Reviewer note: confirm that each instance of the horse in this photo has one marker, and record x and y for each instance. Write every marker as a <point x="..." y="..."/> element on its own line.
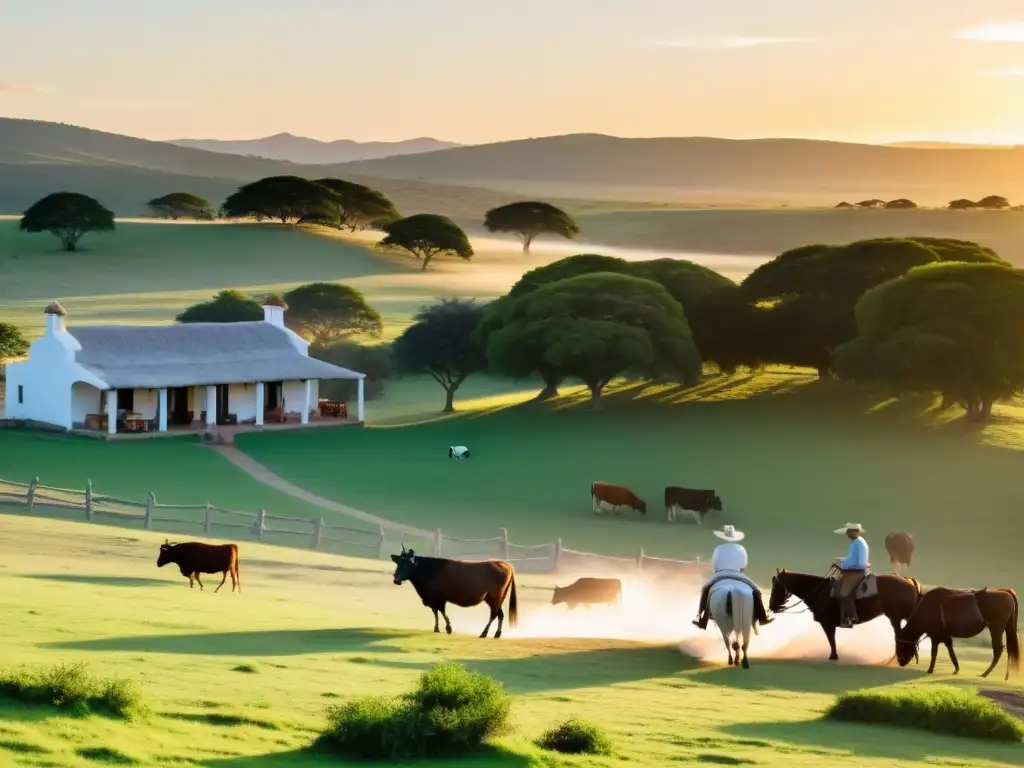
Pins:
<point x="896" y="599"/>
<point x="900" y="547"/>
<point x="945" y="613"/>
<point x="732" y="608"/>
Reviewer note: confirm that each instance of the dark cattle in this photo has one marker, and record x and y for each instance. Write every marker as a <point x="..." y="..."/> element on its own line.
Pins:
<point x="439" y="581"/>
<point x="194" y="558"/>
<point x="900" y="547"/>
<point x="615" y="496"/>
<point x="589" y="591"/>
<point x="698" y="502"/>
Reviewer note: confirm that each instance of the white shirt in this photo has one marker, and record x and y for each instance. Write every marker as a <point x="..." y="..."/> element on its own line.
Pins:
<point x="729" y="557"/>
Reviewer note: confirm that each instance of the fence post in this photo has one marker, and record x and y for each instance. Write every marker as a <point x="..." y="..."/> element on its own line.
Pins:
<point x="504" y="543"/>
<point x="381" y="551"/>
<point x="558" y="553"/>
<point x="640" y="559"/>
<point x="261" y="524"/>
<point x="150" y="504"/>
<point x="31" y="495"/>
<point x="318" y="532"/>
<point x="437" y="543"/>
<point x="207" y="519"/>
<point x="88" y="499"/>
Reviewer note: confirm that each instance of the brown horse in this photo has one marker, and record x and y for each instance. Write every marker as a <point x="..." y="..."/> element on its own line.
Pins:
<point x="945" y="613"/>
<point x="439" y="581"/>
<point x="896" y="599"/>
<point x="900" y="547"/>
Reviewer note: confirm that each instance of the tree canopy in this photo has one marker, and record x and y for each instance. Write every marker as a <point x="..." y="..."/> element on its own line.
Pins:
<point x="284" y="198"/>
<point x="12" y="342"/>
<point x="595" y="327"/>
<point x="68" y="216"/>
<point x="374" y="361"/>
<point x="425" y="236"/>
<point x="993" y="202"/>
<point x="441" y="342"/>
<point x="182" y="205"/>
<point x="356" y="206"/>
<point x="325" y="313"/>
<point x="529" y="219"/>
<point x="952" y="328"/>
<point x="900" y="204"/>
<point x="228" y="306"/>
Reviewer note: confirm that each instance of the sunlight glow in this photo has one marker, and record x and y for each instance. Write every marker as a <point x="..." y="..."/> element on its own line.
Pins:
<point x="996" y="32"/>
<point x="728" y="42"/>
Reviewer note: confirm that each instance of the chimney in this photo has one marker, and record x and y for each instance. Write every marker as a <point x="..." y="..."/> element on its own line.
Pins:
<point x="54" y="318"/>
<point x="273" y="310"/>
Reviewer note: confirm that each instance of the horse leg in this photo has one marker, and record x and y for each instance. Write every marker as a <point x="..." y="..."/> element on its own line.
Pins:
<point x="501" y="621"/>
<point x="830" y="633"/>
<point x="736" y="652"/>
<point x="952" y="655"/>
<point x="935" y="655"/>
<point x="494" y="615"/>
<point x="997" y="648"/>
<point x="225" y="578"/>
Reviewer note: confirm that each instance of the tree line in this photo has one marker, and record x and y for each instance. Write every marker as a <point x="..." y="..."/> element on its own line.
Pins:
<point x="990" y="203"/>
<point x="327" y="202"/>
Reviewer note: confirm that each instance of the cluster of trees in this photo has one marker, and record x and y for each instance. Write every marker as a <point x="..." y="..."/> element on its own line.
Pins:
<point x="990" y="203"/>
<point x="899" y="204"/>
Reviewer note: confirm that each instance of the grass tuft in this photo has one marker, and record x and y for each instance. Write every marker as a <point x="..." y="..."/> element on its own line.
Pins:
<point x="248" y="668"/>
<point x="452" y="711"/>
<point x="576" y="737"/>
<point x="71" y="687"/>
<point x="943" y="709"/>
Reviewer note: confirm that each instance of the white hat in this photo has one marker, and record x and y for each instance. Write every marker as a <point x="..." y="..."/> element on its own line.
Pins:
<point x="729" y="533"/>
<point x="851" y="527"/>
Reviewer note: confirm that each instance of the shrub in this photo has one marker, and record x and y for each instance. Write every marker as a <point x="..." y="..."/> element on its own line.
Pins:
<point x="452" y="711"/>
<point x="576" y="737"/>
<point x="943" y="709"/>
<point x="70" y="686"/>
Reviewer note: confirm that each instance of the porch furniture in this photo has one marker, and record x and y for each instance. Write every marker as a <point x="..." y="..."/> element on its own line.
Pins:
<point x="96" y="421"/>
<point x="134" y="422"/>
<point x="333" y="409"/>
<point x="230" y="420"/>
<point x="274" y="415"/>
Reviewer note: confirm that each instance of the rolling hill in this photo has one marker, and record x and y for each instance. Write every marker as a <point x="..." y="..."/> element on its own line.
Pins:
<point x="303" y="150"/>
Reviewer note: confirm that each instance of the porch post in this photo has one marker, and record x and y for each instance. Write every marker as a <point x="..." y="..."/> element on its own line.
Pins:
<point x="307" y="394"/>
<point x="260" y="387"/>
<point x="211" y="405"/>
<point x="112" y="412"/>
<point x="162" y="411"/>
<point x="360" y="399"/>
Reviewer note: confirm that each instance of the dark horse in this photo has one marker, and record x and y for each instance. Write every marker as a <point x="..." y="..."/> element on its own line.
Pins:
<point x="896" y="599"/>
<point x="945" y="613"/>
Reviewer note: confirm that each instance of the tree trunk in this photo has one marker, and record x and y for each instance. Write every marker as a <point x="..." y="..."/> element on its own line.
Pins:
<point x="551" y="382"/>
<point x="527" y="239"/>
<point x="449" y="401"/>
<point x="70" y="245"/>
<point x="595" y="396"/>
<point x="824" y="372"/>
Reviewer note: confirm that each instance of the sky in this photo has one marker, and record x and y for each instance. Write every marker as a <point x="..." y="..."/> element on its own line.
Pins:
<point x="477" y="71"/>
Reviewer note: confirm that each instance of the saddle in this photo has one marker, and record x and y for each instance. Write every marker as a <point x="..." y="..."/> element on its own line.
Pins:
<point x="868" y="586"/>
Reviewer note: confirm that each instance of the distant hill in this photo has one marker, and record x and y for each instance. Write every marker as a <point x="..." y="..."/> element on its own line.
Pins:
<point x="299" y="149"/>
<point x="943" y="145"/>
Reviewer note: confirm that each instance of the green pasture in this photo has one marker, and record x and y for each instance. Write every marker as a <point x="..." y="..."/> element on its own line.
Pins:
<point x="242" y="680"/>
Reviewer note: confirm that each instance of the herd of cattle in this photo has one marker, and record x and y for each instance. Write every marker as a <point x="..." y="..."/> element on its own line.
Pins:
<point x="677" y="500"/>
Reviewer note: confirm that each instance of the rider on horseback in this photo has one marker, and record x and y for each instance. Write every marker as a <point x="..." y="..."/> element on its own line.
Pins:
<point x="728" y="561"/>
<point x="852" y="571"/>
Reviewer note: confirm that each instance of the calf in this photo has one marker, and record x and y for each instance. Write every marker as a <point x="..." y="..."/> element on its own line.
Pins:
<point x="900" y="547"/>
<point x="194" y="558"/>
<point x="699" y="503"/>
<point x="458" y="452"/>
<point x="588" y="591"/>
<point x="615" y="496"/>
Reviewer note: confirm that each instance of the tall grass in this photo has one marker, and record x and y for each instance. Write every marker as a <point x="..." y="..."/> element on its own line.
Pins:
<point x="71" y="687"/>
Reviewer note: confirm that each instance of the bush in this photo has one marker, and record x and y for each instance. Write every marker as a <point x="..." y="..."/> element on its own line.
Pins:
<point x="451" y="712"/>
<point x="70" y="686"/>
<point x="943" y="709"/>
<point x="576" y="737"/>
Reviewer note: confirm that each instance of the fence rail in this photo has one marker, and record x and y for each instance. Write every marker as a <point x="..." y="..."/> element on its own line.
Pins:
<point x="212" y="521"/>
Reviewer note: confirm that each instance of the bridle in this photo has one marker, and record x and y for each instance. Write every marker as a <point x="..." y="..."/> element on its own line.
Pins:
<point x="787" y="606"/>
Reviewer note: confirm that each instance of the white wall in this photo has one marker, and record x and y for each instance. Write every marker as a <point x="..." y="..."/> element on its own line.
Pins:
<point x="295" y="395"/>
<point x="242" y="401"/>
<point x="46" y="378"/>
<point x="145" y="402"/>
<point x="85" y="399"/>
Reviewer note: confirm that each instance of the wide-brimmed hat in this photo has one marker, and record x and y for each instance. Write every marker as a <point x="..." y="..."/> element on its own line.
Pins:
<point x="729" y="533"/>
<point x="851" y="527"/>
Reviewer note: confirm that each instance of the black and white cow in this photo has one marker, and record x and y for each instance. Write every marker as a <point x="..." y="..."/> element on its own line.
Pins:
<point x="458" y="452"/>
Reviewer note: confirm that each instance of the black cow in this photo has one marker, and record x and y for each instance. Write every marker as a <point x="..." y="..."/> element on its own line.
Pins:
<point x="589" y="591"/>
<point x="194" y="558"/>
<point x="699" y="503"/>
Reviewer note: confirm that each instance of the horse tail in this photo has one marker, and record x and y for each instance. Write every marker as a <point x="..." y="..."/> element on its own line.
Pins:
<point x="728" y="605"/>
<point x="1012" y="638"/>
<point x="513" y="603"/>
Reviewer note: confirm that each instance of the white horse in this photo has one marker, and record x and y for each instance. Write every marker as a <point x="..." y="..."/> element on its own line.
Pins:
<point x="732" y="608"/>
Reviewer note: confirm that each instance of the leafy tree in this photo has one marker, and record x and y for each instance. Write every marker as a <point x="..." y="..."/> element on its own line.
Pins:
<point x="951" y="249"/>
<point x="872" y="203"/>
<point x="278" y="197"/>
<point x="441" y="342"/>
<point x="571" y="266"/>
<point x="900" y="204"/>
<point x="182" y="205"/>
<point x="962" y="204"/>
<point x="993" y="202"/>
<point x="68" y="215"/>
<point x="12" y="342"/>
<point x="357" y="207"/>
<point x="596" y="327"/>
<point x="425" y="236"/>
<point x="325" y="313"/>
<point x="952" y="328"/>
<point x="844" y="204"/>
<point x="374" y="361"/>
<point x="529" y="219"/>
<point x="228" y="306"/>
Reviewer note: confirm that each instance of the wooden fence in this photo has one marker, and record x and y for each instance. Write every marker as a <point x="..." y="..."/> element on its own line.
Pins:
<point x="215" y="522"/>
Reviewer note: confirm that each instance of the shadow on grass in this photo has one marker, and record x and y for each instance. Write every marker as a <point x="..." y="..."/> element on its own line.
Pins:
<point x="101" y="581"/>
<point x="268" y="643"/>
<point x="222" y="720"/>
<point x="890" y="743"/>
<point x="317" y="756"/>
<point x="803" y="677"/>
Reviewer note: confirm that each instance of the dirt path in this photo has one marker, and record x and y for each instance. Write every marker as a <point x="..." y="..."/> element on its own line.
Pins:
<point x="259" y="472"/>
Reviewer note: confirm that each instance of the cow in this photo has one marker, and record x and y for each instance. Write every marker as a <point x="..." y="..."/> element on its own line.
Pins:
<point x="588" y="591"/>
<point x="699" y="503"/>
<point x="900" y="547"/>
<point x="615" y="496"/>
<point x="439" y="581"/>
<point x="458" y="452"/>
<point x="194" y="558"/>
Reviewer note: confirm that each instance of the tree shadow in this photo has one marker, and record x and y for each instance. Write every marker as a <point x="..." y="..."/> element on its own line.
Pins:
<point x="102" y="581"/>
<point x="803" y="677"/>
<point x="318" y="756"/>
<point x="293" y="642"/>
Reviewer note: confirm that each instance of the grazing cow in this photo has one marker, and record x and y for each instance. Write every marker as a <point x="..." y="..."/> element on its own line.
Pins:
<point x="615" y="496"/>
<point x="194" y="558"/>
<point x="439" y="581"/>
<point x="699" y="503"/>
<point x="900" y="547"/>
<point x="589" y="591"/>
<point x="458" y="452"/>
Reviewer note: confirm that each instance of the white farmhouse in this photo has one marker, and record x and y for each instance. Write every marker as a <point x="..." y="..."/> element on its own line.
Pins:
<point x="117" y="378"/>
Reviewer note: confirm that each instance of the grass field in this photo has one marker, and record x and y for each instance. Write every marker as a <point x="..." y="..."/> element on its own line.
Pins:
<point x="242" y="680"/>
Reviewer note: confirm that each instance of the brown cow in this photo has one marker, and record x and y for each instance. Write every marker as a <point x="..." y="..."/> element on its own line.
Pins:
<point x="589" y="591"/>
<point x="439" y="581"/>
<point x="900" y="547"/>
<point x="696" y="501"/>
<point x="194" y="558"/>
<point x="615" y="496"/>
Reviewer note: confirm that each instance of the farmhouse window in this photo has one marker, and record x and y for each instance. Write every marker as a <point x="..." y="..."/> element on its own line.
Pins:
<point x="21" y="394"/>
